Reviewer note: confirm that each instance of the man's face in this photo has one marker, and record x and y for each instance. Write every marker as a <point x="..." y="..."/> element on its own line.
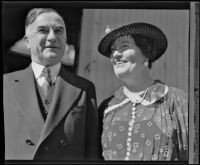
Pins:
<point x="46" y="39"/>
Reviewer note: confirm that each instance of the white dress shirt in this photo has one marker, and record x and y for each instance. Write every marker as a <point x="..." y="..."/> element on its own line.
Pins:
<point x="37" y="70"/>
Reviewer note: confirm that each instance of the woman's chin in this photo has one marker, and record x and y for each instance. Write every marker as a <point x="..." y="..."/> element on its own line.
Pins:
<point x="121" y="74"/>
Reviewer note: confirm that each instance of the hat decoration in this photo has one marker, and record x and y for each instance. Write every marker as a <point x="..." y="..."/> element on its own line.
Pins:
<point x="108" y="29"/>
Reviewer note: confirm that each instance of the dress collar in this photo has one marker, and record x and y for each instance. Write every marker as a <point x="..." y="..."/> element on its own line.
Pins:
<point x="134" y="96"/>
<point x="157" y="91"/>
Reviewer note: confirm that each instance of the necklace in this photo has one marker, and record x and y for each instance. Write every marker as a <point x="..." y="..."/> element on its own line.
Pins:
<point x="134" y="97"/>
<point x="131" y="122"/>
<point x="137" y="101"/>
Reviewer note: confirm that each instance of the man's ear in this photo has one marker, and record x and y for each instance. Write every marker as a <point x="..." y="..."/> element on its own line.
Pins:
<point x="26" y="41"/>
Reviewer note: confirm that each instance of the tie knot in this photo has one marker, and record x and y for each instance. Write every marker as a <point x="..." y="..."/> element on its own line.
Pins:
<point x="46" y="73"/>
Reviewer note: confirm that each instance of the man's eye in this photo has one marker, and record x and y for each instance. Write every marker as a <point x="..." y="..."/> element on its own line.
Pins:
<point x="43" y="30"/>
<point x="58" y="31"/>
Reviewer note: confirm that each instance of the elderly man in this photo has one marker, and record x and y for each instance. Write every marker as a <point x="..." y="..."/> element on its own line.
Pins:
<point x="49" y="113"/>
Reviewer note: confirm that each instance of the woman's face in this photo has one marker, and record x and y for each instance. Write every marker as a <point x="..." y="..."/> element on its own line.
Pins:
<point x="126" y="57"/>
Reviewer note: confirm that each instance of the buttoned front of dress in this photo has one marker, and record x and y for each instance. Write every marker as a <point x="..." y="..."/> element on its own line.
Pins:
<point x="150" y="130"/>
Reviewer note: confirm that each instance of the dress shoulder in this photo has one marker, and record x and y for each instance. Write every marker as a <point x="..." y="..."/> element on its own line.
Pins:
<point x="104" y="104"/>
<point x="178" y="92"/>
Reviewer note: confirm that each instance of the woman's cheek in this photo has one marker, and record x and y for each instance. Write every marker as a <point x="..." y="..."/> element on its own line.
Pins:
<point x="129" y="54"/>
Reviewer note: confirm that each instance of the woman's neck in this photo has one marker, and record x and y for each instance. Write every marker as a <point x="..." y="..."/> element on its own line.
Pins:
<point x="139" y="83"/>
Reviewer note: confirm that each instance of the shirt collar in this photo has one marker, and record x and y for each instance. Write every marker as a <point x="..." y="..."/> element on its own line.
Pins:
<point x="37" y="70"/>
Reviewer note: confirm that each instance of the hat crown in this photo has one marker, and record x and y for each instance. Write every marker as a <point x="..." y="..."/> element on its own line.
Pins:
<point x="140" y="29"/>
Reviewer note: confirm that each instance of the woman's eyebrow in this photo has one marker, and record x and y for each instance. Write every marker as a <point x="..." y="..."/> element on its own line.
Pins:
<point x="125" y="42"/>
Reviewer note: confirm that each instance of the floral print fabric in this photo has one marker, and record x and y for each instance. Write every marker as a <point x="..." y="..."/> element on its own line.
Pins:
<point x="155" y="129"/>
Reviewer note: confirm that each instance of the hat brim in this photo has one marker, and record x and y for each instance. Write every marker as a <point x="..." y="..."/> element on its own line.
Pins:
<point x="144" y="30"/>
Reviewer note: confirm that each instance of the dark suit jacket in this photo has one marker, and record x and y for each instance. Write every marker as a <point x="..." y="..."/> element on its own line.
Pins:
<point x="71" y="130"/>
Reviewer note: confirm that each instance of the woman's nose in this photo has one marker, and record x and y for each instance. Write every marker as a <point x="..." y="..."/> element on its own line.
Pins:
<point x="117" y="55"/>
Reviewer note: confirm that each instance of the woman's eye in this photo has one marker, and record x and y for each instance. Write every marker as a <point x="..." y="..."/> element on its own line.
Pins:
<point x="125" y="46"/>
<point x="112" y="51"/>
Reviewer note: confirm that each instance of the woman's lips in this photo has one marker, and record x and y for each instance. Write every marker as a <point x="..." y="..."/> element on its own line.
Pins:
<point x="50" y="47"/>
<point x="121" y="62"/>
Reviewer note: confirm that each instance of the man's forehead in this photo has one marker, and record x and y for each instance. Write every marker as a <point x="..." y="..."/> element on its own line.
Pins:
<point x="50" y="18"/>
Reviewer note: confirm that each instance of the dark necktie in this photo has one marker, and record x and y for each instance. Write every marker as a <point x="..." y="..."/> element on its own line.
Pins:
<point x="47" y="83"/>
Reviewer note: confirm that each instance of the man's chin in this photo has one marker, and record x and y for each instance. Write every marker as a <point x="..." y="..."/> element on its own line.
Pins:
<point x="50" y="55"/>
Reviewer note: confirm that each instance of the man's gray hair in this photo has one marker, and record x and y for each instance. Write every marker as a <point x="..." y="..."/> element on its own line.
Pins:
<point x="35" y="12"/>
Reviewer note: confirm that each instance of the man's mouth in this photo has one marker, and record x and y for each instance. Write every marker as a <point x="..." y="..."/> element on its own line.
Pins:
<point x="51" y="47"/>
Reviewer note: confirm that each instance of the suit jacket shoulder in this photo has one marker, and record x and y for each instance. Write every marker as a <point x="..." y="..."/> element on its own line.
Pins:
<point x="16" y="74"/>
<point x="76" y="80"/>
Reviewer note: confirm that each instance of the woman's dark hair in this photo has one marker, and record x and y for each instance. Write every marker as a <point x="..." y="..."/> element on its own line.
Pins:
<point x="147" y="47"/>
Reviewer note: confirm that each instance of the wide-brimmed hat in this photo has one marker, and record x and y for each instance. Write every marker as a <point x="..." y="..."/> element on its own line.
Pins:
<point x="144" y="30"/>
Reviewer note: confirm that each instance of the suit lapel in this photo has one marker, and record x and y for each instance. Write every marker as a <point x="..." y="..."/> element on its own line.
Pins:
<point x="24" y="90"/>
<point x="64" y="96"/>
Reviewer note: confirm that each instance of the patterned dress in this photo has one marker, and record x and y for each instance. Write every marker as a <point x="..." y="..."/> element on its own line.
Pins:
<point x="155" y="129"/>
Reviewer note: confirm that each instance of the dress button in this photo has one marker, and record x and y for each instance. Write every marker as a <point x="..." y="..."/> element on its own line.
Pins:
<point x="46" y="102"/>
<point x="62" y="142"/>
<point x="129" y="133"/>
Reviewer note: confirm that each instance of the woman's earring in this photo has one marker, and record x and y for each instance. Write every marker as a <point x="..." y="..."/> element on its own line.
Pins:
<point x="146" y="63"/>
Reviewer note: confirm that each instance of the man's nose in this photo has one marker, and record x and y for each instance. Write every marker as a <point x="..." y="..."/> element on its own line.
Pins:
<point x="51" y="36"/>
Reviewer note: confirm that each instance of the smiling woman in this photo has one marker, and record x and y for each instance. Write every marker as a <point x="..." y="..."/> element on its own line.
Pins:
<point x="145" y="119"/>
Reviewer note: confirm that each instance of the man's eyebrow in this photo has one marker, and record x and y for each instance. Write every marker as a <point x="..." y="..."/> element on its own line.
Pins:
<point x="59" y="27"/>
<point x="43" y="26"/>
